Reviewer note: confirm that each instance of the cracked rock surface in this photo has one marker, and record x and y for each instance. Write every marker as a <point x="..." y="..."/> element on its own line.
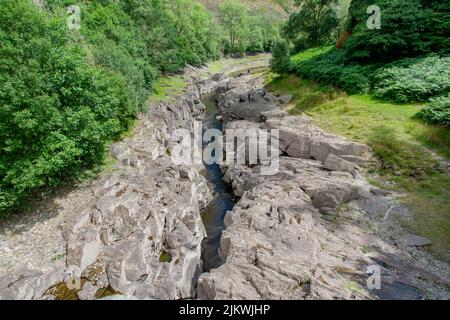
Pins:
<point x="137" y="231"/>
<point x="312" y="230"/>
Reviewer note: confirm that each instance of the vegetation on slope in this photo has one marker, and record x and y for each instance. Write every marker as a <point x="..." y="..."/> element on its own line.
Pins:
<point x="276" y="10"/>
<point x="399" y="141"/>
<point x="67" y="93"/>
<point x="405" y="80"/>
<point x="57" y="110"/>
<point x="405" y="60"/>
<point x="370" y="85"/>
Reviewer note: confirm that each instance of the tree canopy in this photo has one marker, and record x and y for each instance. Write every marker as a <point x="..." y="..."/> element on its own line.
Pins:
<point x="66" y="94"/>
<point x="313" y="24"/>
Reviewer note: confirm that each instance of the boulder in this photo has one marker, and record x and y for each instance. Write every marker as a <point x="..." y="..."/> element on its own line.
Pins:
<point x="275" y="113"/>
<point x="335" y="163"/>
<point x="87" y="292"/>
<point x="286" y="98"/>
<point x="300" y="139"/>
<point x="83" y="247"/>
<point x="416" y="241"/>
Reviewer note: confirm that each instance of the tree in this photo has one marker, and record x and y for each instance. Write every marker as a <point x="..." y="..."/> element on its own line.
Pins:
<point x="58" y="112"/>
<point x="281" y="59"/>
<point x="234" y="19"/>
<point x="312" y="24"/>
<point x="193" y="26"/>
<point x="408" y="28"/>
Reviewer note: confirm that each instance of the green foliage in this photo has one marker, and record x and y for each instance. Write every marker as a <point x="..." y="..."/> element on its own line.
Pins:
<point x="410" y="32"/>
<point x="66" y="94"/>
<point x="408" y="28"/>
<point x="406" y="80"/>
<point x="234" y="19"/>
<point x="437" y="111"/>
<point x="330" y="68"/>
<point x="281" y="60"/>
<point x="310" y="53"/>
<point x="117" y="44"/>
<point x="245" y="32"/>
<point x="313" y="24"/>
<point x="57" y="111"/>
<point x="196" y="35"/>
<point x="413" y="79"/>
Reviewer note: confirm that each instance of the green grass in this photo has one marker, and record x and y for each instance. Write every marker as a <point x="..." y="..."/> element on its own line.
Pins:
<point x="58" y="256"/>
<point x="221" y="64"/>
<point x="168" y="86"/>
<point x="355" y="287"/>
<point x="165" y="257"/>
<point x="401" y="143"/>
<point x="310" y="53"/>
<point x="365" y="249"/>
<point x="216" y="66"/>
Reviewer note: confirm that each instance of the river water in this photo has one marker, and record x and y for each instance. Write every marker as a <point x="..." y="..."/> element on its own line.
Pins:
<point x="213" y="215"/>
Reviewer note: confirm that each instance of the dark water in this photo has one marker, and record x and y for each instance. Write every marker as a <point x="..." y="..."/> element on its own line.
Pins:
<point x="213" y="215"/>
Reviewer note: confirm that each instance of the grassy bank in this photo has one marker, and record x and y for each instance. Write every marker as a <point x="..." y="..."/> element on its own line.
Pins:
<point x="401" y="143"/>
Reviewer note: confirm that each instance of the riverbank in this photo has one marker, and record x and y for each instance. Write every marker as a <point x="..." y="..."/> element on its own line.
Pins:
<point x="308" y="232"/>
<point x="99" y="231"/>
<point x="315" y="228"/>
<point x="413" y="158"/>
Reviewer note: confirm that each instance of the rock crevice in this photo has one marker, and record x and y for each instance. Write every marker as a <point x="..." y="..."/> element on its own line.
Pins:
<point x="291" y="234"/>
<point x="142" y="234"/>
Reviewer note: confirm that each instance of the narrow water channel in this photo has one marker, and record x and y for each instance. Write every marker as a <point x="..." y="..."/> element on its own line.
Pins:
<point x="213" y="215"/>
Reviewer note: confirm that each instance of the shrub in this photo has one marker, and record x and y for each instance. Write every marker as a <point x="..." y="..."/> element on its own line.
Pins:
<point x="329" y="68"/>
<point x="281" y="60"/>
<point x="437" y="111"/>
<point x="413" y="79"/>
<point x="405" y="80"/>
<point x="409" y="28"/>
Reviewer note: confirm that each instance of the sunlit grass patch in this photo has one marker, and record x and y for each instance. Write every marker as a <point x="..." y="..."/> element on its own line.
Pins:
<point x="168" y="87"/>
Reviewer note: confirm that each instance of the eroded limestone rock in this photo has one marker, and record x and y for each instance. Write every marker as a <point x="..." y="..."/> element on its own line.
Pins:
<point x="301" y="233"/>
<point x="142" y="235"/>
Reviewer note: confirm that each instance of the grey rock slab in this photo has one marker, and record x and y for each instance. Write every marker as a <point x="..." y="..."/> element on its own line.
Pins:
<point x="416" y="241"/>
<point x="298" y="234"/>
<point x="335" y="163"/>
<point x="286" y="98"/>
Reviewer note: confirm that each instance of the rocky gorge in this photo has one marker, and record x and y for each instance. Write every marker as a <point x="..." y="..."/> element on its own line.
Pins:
<point x="310" y="231"/>
<point x="139" y="231"/>
<point x="316" y="229"/>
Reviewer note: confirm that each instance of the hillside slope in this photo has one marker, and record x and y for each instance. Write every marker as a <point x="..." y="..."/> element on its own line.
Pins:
<point x="277" y="9"/>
